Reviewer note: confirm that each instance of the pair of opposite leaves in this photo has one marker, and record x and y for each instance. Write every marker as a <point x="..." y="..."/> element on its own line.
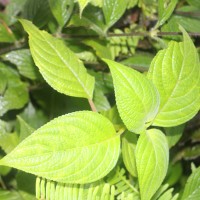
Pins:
<point x="83" y="147"/>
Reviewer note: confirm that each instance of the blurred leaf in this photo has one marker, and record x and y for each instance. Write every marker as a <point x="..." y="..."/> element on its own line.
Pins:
<point x="140" y="62"/>
<point x="174" y="134"/>
<point x="72" y="78"/>
<point x="24" y="62"/>
<point x="129" y="141"/>
<point x="101" y="49"/>
<point x="171" y="70"/>
<point x="97" y="141"/>
<point x="152" y="157"/>
<point x="100" y="100"/>
<point x="165" y="11"/>
<point x="4" y="170"/>
<point x="191" y="153"/>
<point x="128" y="85"/>
<point x="15" y="90"/>
<point x="113" y="10"/>
<point x="37" y="11"/>
<point x="132" y="3"/>
<point x="5" y="34"/>
<point x="82" y="5"/>
<point x="9" y="195"/>
<point x="61" y="10"/>
<point x="25" y="129"/>
<point x="191" y="190"/>
<point x="195" y="3"/>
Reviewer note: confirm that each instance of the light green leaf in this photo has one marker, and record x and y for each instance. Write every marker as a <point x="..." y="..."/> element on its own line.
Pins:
<point x="9" y="195"/>
<point x="22" y="58"/>
<point x="80" y="147"/>
<point x="152" y="156"/>
<point x="165" y="11"/>
<point x="175" y="72"/>
<point x="129" y="141"/>
<point x="192" y="191"/>
<point x="113" y="10"/>
<point x="59" y="65"/>
<point x="136" y="97"/>
<point x="60" y="10"/>
<point x="6" y="35"/>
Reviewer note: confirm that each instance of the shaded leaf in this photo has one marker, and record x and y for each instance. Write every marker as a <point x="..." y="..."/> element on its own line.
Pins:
<point x="191" y="190"/>
<point x="152" y="156"/>
<point x="80" y="147"/>
<point x="137" y="98"/>
<point x="59" y="65"/>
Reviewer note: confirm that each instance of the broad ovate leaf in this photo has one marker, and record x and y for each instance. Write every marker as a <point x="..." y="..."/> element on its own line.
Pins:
<point x="80" y="147"/>
<point x="152" y="157"/>
<point x="59" y="66"/>
<point x="192" y="191"/>
<point x="136" y="97"/>
<point x="175" y="72"/>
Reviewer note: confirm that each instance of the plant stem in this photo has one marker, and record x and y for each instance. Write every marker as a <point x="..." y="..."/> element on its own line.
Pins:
<point x="2" y="183"/>
<point x="92" y="105"/>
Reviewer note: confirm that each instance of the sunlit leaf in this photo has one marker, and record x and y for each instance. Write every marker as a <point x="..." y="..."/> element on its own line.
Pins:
<point x="152" y="156"/>
<point x="136" y="97"/>
<point x="175" y="72"/>
<point x="80" y="147"/>
<point x="59" y="65"/>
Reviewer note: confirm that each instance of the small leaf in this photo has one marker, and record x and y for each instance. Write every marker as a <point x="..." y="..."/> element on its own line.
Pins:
<point x="113" y="10"/>
<point x="80" y="147"/>
<point x="129" y="141"/>
<point x="192" y="191"/>
<point x="152" y="156"/>
<point x="60" y="11"/>
<point x="82" y="5"/>
<point x="137" y="98"/>
<point x="165" y="12"/>
<point x="59" y="65"/>
<point x="175" y="72"/>
<point x="25" y="64"/>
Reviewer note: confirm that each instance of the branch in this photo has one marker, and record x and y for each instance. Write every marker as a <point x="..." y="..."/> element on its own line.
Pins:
<point x="92" y="105"/>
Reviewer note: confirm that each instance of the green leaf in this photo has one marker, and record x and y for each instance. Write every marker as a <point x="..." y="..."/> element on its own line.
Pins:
<point x="113" y="10"/>
<point x="59" y="65"/>
<point x="35" y="10"/>
<point x="14" y="94"/>
<point x="22" y="58"/>
<point x="6" y="35"/>
<point x="191" y="190"/>
<point x="137" y="98"/>
<point x="195" y="3"/>
<point x="129" y="141"/>
<point x="82" y="5"/>
<point x="80" y="147"/>
<point x="9" y="195"/>
<point x="60" y="10"/>
<point x="174" y="134"/>
<point x="175" y="72"/>
<point x="152" y="156"/>
<point x="165" y="11"/>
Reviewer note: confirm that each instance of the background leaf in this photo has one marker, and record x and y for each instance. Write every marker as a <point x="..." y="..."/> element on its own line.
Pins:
<point x="51" y="54"/>
<point x="175" y="72"/>
<point x="136" y="97"/>
<point x="191" y="191"/>
<point x="80" y="147"/>
<point x="152" y="156"/>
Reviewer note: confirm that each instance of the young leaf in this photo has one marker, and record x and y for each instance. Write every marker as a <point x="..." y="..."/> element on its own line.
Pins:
<point x="82" y="5"/>
<point x="137" y="99"/>
<point x="175" y="72"/>
<point x="80" y="147"/>
<point x="60" y="11"/>
<point x="59" y="65"/>
<point x="192" y="191"/>
<point x="113" y="10"/>
<point x="152" y="156"/>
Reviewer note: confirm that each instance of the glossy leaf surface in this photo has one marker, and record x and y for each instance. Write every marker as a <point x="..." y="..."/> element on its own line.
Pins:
<point x="136" y="97"/>
<point x="59" y="65"/>
<point x="175" y="72"/>
<point x="152" y="156"/>
<point x="80" y="147"/>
